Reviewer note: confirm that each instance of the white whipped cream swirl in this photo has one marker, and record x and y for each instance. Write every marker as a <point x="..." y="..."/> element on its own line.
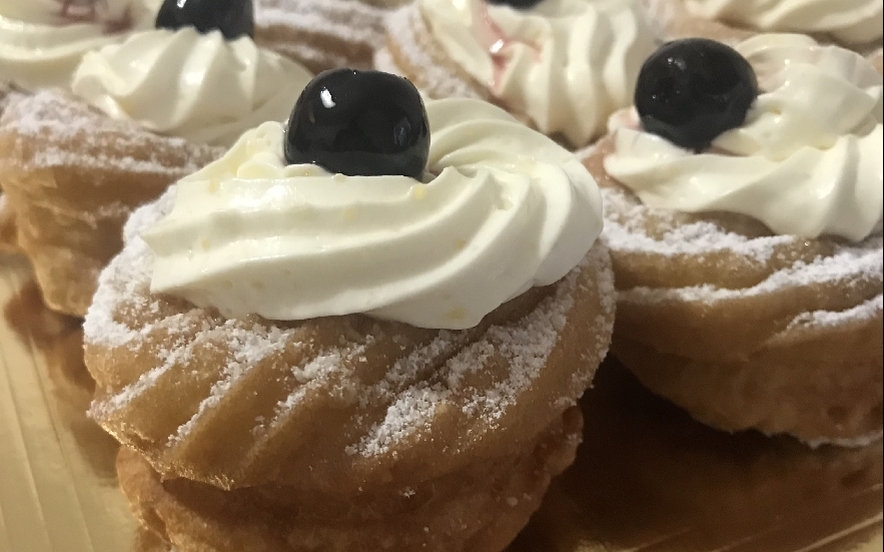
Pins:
<point x="502" y="208"/>
<point x="200" y="87"/>
<point x="565" y="64"/>
<point x="41" y="45"/>
<point x="806" y="161"/>
<point x="848" y="21"/>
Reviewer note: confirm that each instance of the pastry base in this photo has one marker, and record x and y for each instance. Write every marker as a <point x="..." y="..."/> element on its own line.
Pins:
<point x="336" y="403"/>
<point x="709" y="330"/>
<point x="71" y="176"/>
<point x="481" y="508"/>
<point x="647" y="478"/>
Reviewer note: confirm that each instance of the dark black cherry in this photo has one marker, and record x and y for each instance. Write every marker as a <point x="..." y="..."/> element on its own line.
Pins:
<point x="691" y="90"/>
<point x="234" y="18"/>
<point x="518" y="4"/>
<point x="365" y="123"/>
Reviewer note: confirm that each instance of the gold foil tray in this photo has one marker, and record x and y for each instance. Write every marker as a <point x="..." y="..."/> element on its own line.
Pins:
<point x="648" y="479"/>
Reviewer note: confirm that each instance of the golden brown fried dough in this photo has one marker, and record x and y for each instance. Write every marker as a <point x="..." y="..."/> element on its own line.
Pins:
<point x="443" y="440"/>
<point x="71" y="177"/>
<point x="479" y="508"/>
<point x="332" y="402"/>
<point x="743" y="328"/>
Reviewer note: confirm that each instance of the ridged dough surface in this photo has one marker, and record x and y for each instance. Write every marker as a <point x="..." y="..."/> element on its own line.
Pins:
<point x="479" y="508"/>
<point x="743" y="328"/>
<point x="71" y="176"/>
<point x="334" y="404"/>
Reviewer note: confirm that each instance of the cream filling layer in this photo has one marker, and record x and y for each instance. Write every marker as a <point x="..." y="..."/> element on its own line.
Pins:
<point x="196" y="86"/>
<point x="41" y="45"/>
<point x="807" y="160"/>
<point x="565" y="64"/>
<point x="501" y="209"/>
<point x="849" y="21"/>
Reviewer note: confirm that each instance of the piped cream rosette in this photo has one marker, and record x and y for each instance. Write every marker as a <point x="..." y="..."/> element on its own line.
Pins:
<point x="749" y="274"/>
<point x="500" y="209"/>
<point x="200" y="87"/>
<point x="848" y="21"/>
<point x="41" y="44"/>
<point x="806" y="161"/>
<point x="563" y="65"/>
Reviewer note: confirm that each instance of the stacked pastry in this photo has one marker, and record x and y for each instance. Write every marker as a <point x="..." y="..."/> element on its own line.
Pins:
<point x="41" y="44"/>
<point x="338" y="335"/>
<point x="123" y="106"/>
<point x="743" y="210"/>
<point x="141" y="113"/>
<point x="562" y="66"/>
<point x="342" y="337"/>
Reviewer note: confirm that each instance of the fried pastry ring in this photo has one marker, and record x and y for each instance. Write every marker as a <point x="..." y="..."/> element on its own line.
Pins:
<point x="341" y="409"/>
<point x="478" y="508"/>
<point x="336" y="402"/>
<point x="742" y="328"/>
<point x="71" y="177"/>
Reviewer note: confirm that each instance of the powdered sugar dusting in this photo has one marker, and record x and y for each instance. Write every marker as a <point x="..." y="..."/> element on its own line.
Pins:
<point x="525" y="347"/>
<point x="827" y="319"/>
<point x="346" y="20"/>
<point x="321" y="33"/>
<point x="781" y="261"/>
<point x="125" y="277"/>
<point x="317" y="371"/>
<point x="412" y="409"/>
<point x="178" y="353"/>
<point x="863" y="262"/>
<point x="443" y="374"/>
<point x="625" y="232"/>
<point x="56" y="120"/>
<point x="250" y="347"/>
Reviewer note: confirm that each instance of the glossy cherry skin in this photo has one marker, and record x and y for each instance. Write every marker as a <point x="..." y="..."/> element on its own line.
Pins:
<point x="234" y="18"/>
<point x="517" y="4"/>
<point x="691" y="90"/>
<point x="365" y="123"/>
